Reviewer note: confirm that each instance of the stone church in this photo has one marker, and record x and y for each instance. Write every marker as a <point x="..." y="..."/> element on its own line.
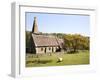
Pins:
<point x="41" y="43"/>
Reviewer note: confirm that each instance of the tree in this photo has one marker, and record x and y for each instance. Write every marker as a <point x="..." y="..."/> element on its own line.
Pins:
<point x="75" y="42"/>
<point x="29" y="43"/>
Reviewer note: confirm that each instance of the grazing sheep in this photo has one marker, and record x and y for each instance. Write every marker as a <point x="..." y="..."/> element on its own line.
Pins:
<point x="60" y="59"/>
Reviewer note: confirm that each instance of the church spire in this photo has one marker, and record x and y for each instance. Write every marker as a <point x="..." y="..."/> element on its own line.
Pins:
<point x="35" y="27"/>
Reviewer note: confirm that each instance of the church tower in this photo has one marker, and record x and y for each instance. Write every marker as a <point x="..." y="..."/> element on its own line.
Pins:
<point x="35" y="27"/>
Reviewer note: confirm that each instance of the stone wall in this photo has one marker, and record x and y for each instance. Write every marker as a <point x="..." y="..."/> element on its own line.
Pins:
<point x="39" y="50"/>
<point x="46" y="49"/>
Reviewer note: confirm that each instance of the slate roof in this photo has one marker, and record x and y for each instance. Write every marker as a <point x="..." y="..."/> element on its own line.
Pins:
<point x="43" y="40"/>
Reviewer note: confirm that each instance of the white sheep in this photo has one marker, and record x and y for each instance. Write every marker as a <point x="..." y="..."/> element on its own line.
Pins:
<point x="60" y="59"/>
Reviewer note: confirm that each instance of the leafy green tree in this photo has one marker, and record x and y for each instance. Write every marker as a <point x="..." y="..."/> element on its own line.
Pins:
<point x="76" y="42"/>
<point x="29" y="43"/>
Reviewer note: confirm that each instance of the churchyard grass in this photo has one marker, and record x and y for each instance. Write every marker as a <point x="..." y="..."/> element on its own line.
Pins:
<point x="79" y="58"/>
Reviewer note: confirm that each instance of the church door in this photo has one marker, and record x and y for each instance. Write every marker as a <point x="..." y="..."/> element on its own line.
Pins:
<point x="45" y="50"/>
<point x="52" y="49"/>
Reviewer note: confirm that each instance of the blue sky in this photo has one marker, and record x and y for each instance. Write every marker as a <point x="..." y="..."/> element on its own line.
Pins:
<point x="59" y="23"/>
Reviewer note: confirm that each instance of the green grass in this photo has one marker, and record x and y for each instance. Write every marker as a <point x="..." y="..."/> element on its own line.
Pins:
<point x="79" y="58"/>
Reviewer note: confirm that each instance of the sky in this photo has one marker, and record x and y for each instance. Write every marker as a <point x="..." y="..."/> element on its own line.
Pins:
<point x="59" y="23"/>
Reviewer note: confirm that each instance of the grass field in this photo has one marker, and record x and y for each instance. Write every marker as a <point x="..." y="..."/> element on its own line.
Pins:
<point x="79" y="58"/>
